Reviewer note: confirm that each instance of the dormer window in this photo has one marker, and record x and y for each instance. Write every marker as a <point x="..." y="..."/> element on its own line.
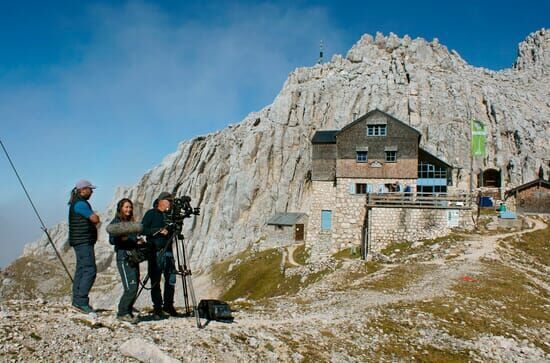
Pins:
<point x="376" y="130"/>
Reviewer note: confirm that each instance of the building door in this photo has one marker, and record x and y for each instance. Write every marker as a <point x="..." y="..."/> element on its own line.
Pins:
<point x="299" y="232"/>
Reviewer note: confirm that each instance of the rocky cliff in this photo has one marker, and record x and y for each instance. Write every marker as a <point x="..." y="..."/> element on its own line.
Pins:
<point x="243" y="174"/>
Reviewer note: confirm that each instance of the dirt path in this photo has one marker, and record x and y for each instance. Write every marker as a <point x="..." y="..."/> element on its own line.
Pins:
<point x="291" y="260"/>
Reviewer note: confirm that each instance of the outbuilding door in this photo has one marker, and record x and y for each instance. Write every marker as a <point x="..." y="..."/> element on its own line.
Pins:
<point x="299" y="232"/>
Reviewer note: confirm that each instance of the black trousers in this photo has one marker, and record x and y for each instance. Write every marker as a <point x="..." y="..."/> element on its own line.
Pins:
<point x="129" y="275"/>
<point x="162" y="264"/>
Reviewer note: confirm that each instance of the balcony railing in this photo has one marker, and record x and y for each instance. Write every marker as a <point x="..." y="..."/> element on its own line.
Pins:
<point x="460" y="200"/>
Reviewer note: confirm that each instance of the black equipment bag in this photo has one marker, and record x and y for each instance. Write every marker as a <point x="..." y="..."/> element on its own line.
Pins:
<point x="140" y="254"/>
<point x="215" y="310"/>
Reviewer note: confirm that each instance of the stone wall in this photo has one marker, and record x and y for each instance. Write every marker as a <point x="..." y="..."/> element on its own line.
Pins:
<point x="323" y="197"/>
<point x="389" y="225"/>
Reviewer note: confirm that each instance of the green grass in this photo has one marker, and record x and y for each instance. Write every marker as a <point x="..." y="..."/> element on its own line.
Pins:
<point x="401" y="246"/>
<point x="536" y="244"/>
<point x="348" y="253"/>
<point x="406" y="345"/>
<point x="452" y="237"/>
<point x="257" y="276"/>
<point x="501" y="301"/>
<point x="398" y="278"/>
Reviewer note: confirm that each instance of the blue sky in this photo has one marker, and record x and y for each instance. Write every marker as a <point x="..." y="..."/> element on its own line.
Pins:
<point x="104" y="90"/>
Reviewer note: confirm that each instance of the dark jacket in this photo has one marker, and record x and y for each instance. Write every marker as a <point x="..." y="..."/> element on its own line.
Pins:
<point x="81" y="229"/>
<point x="153" y="221"/>
<point x="121" y="243"/>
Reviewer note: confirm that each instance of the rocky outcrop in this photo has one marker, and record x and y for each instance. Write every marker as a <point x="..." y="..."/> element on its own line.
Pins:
<point x="243" y="174"/>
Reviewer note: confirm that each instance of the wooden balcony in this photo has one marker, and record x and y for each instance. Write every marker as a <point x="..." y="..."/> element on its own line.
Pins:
<point x="419" y="200"/>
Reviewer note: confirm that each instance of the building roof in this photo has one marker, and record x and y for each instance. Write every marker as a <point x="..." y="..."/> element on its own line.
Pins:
<point x="382" y="112"/>
<point x="325" y="137"/>
<point x="539" y="182"/>
<point x="435" y="157"/>
<point x="285" y="219"/>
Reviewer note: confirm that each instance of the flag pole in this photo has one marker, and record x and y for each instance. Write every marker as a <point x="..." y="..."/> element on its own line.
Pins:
<point x="471" y="158"/>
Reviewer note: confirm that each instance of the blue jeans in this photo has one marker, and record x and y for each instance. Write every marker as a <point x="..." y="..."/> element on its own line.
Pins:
<point x="85" y="273"/>
<point x="162" y="264"/>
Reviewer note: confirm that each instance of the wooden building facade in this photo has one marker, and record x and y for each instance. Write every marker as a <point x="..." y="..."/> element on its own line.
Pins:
<point x="532" y="197"/>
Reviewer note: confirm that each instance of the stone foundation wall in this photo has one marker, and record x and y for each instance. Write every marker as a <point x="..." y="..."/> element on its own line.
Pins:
<point x="390" y="225"/>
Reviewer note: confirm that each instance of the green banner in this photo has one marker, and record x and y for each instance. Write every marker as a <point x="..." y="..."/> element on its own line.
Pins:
<point x="478" y="138"/>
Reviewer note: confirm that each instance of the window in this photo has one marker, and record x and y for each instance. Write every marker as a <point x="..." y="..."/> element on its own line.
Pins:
<point x="326" y="220"/>
<point x="391" y="156"/>
<point x="362" y="156"/>
<point x="360" y="188"/>
<point x="429" y="171"/>
<point x="376" y="130"/>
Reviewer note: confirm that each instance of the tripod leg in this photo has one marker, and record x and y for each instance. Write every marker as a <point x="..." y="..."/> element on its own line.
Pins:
<point x="181" y="272"/>
<point x="194" y="301"/>
<point x="190" y="288"/>
<point x="145" y="280"/>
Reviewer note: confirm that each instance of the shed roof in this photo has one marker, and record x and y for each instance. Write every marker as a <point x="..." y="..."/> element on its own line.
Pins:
<point x="539" y="182"/>
<point x="325" y="137"/>
<point x="285" y="219"/>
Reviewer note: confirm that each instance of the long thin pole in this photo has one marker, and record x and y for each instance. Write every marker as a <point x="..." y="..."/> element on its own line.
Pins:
<point x="36" y="212"/>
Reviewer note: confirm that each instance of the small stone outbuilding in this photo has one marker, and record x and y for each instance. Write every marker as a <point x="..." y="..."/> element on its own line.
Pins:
<point x="532" y="197"/>
<point x="285" y="229"/>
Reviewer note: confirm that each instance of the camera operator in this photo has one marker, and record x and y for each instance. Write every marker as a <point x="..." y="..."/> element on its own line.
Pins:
<point x="129" y="272"/>
<point x="161" y="261"/>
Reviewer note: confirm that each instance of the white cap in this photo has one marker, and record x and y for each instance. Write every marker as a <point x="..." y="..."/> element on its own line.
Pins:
<point x="83" y="183"/>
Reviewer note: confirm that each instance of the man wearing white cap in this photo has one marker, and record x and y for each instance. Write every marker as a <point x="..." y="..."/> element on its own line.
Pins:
<point x="82" y="237"/>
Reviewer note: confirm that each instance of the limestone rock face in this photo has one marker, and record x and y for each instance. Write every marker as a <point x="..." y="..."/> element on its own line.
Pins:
<point x="242" y="175"/>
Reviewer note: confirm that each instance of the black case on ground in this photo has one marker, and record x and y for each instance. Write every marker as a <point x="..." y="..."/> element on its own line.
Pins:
<point x="215" y="310"/>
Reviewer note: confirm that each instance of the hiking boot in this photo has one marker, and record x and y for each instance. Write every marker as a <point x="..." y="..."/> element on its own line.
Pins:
<point x="127" y="318"/>
<point x="171" y="310"/>
<point x="85" y="309"/>
<point x="158" y="314"/>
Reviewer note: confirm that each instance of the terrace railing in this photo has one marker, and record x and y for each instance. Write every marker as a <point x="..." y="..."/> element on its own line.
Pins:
<point x="460" y="200"/>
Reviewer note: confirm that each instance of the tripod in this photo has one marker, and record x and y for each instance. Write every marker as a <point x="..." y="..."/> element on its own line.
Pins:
<point x="185" y="272"/>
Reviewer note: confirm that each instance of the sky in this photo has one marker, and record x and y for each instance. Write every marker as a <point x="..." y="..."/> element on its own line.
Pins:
<point x="103" y="90"/>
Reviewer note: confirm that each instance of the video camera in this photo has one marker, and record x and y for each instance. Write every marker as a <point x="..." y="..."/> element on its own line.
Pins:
<point x="181" y="209"/>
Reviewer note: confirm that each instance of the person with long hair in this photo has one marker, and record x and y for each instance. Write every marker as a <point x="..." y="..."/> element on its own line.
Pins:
<point x="83" y="223"/>
<point x="129" y="273"/>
